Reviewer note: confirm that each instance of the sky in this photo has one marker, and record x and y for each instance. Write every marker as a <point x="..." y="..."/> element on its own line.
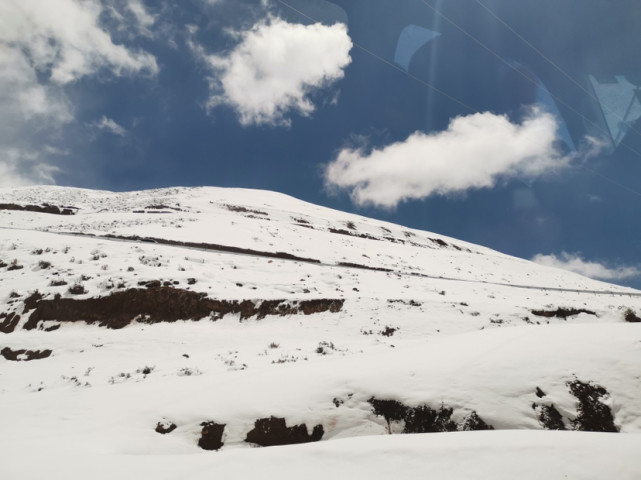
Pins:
<point x="514" y="125"/>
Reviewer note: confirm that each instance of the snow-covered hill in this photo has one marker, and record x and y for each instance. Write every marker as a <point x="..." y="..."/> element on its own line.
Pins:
<point x="139" y="329"/>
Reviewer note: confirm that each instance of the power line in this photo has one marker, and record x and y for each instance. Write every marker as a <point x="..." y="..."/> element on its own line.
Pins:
<point x="454" y="99"/>
<point x="551" y="62"/>
<point x="533" y="82"/>
<point x="387" y="62"/>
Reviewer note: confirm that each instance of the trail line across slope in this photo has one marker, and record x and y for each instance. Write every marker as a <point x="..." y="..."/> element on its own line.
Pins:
<point x="284" y="256"/>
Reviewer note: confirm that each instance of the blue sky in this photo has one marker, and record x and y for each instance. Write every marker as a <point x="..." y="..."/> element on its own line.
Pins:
<point x="514" y="125"/>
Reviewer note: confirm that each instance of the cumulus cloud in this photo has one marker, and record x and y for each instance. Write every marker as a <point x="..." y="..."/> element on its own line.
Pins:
<point x="276" y="67"/>
<point x="64" y="40"/>
<point x="474" y="152"/>
<point x="110" y="126"/>
<point x="46" y="46"/>
<point x="574" y="263"/>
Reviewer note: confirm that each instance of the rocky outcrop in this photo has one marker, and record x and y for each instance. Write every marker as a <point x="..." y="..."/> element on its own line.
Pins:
<point x="162" y="304"/>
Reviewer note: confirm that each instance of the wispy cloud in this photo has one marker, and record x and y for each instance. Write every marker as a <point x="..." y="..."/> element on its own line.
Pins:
<point x="474" y="152"/>
<point x="574" y="263"/>
<point x="275" y="68"/>
<point x="108" y="125"/>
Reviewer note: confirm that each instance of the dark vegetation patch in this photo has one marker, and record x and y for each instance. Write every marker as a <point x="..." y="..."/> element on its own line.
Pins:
<point x="363" y="267"/>
<point x="165" y="427"/>
<point x="57" y="283"/>
<point x="44" y="208"/>
<point x="2" y="264"/>
<point x="163" y="207"/>
<point x="217" y="248"/>
<point x="443" y="244"/>
<point x="24" y="355"/>
<point x="424" y="419"/>
<point x="77" y="289"/>
<point x="342" y="231"/>
<point x="561" y="312"/>
<point x="411" y="303"/>
<point x="593" y="415"/>
<point x="388" y="331"/>
<point x="8" y="322"/>
<point x="239" y="209"/>
<point x="549" y="417"/>
<point x="161" y="304"/>
<point x="211" y="436"/>
<point x="14" y="266"/>
<point x="474" y="423"/>
<point x="631" y="317"/>
<point x="274" y="431"/>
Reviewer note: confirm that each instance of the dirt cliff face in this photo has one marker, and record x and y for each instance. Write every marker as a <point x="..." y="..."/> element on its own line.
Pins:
<point x="162" y="304"/>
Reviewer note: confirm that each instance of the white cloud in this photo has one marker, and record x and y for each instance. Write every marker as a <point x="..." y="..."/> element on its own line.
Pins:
<point x="574" y="263"/>
<point x="276" y="67"/>
<point x="44" y="47"/>
<point x="144" y="18"/>
<point x="108" y="125"/>
<point x="64" y="39"/>
<point x="21" y="168"/>
<point x="476" y="151"/>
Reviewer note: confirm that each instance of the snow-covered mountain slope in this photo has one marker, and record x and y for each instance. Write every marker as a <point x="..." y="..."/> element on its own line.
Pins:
<point x="165" y="322"/>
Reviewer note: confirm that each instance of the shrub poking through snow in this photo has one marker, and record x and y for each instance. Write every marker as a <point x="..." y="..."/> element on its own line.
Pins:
<point x="423" y="418"/>
<point x="593" y="414"/>
<point x="549" y="417"/>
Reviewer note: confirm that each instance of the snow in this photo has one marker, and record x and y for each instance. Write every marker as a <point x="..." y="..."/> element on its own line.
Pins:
<point x="463" y="337"/>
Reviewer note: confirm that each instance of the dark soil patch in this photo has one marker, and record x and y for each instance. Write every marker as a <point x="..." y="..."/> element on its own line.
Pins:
<point x="165" y="427"/>
<point x="424" y="419"/>
<point x="631" y="317"/>
<point x="593" y="414"/>
<point x="273" y="431"/>
<point x="211" y="436"/>
<point x="549" y="417"/>
<point x="561" y="312"/>
<point x="9" y="323"/>
<point x="45" y="208"/>
<point x="161" y="304"/>
<point x="24" y="355"/>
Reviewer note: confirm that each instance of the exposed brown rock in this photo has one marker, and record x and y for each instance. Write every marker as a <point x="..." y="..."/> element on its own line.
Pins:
<point x="274" y="431"/>
<point x="211" y="436"/>
<point x="9" y="323"/>
<point x="161" y="304"/>
<point x="24" y="355"/>
<point x="46" y="208"/>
